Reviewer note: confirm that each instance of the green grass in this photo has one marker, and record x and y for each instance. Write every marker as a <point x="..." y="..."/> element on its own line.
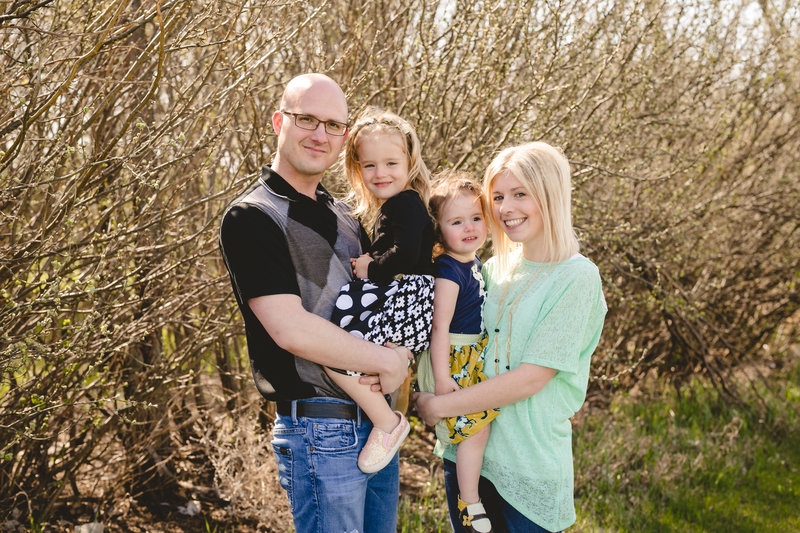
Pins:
<point x="426" y="512"/>
<point x="674" y="461"/>
<point x="688" y="461"/>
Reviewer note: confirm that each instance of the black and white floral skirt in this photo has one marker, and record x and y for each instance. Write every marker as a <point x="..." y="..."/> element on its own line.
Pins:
<point x="400" y="312"/>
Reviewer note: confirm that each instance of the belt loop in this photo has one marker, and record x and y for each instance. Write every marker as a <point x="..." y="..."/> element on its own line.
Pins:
<point x="294" y="412"/>
<point x="358" y="416"/>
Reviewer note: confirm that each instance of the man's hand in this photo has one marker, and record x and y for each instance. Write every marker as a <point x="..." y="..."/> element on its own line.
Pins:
<point x="360" y="265"/>
<point x="424" y="402"/>
<point x="388" y="382"/>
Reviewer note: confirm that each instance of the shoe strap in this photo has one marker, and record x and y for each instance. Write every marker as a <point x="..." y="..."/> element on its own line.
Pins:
<point x="467" y="518"/>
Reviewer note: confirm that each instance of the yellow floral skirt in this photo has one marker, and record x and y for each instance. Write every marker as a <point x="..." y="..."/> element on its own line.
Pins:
<point x="466" y="368"/>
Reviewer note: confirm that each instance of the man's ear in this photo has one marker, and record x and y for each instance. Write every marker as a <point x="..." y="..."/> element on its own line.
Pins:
<point x="277" y="122"/>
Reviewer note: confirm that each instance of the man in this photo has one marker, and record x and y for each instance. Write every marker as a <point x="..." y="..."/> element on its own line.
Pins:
<point x="287" y="246"/>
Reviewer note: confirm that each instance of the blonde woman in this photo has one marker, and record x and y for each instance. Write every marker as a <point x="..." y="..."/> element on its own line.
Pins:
<point x="544" y="313"/>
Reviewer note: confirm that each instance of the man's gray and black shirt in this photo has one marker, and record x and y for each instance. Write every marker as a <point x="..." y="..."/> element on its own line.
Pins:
<point x="275" y="240"/>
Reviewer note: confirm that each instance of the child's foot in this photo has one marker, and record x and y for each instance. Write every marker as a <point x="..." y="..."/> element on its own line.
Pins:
<point x="474" y="517"/>
<point x="381" y="446"/>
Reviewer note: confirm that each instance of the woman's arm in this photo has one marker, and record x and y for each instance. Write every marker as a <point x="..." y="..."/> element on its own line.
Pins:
<point x="445" y="295"/>
<point x="507" y="388"/>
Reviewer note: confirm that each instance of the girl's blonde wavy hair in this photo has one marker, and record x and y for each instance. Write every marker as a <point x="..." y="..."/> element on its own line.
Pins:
<point x="374" y="120"/>
<point x="448" y="184"/>
<point x="544" y="172"/>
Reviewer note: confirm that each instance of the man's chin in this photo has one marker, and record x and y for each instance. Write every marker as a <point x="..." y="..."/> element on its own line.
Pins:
<point x="314" y="170"/>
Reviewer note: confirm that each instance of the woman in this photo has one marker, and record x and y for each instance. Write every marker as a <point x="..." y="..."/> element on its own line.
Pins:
<point x="544" y="314"/>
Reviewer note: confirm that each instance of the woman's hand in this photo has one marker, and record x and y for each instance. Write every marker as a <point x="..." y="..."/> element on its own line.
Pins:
<point x="360" y="265"/>
<point x="425" y="404"/>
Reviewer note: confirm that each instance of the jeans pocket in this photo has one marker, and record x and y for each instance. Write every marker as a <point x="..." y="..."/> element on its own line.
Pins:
<point x="284" y="460"/>
<point x="334" y="437"/>
<point x="282" y="442"/>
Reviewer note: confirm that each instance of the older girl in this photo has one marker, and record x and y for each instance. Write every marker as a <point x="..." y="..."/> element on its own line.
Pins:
<point x="392" y="298"/>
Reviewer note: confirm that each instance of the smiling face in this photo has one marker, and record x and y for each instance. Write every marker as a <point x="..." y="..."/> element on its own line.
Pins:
<point x="303" y="155"/>
<point x="462" y="226"/>
<point x="383" y="163"/>
<point x="517" y="213"/>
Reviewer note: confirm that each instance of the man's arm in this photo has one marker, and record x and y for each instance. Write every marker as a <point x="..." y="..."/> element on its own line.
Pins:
<point x="254" y="244"/>
<point x="313" y="338"/>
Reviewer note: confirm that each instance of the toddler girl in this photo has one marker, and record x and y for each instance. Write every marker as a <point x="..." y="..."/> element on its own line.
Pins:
<point x="458" y="336"/>
<point x="392" y="298"/>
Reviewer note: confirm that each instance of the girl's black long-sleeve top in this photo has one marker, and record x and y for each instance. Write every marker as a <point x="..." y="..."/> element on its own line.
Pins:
<point x="403" y="238"/>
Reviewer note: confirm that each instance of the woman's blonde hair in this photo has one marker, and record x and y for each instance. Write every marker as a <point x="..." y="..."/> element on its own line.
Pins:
<point x="447" y="185"/>
<point x="374" y="120"/>
<point x="544" y="172"/>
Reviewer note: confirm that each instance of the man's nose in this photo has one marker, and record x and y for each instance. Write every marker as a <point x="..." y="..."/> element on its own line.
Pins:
<point x="319" y="134"/>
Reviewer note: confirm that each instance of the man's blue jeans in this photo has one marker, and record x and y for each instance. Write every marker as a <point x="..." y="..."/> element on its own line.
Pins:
<point x="317" y="466"/>
<point x="505" y="519"/>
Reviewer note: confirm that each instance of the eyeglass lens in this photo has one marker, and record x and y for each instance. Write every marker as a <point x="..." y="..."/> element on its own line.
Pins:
<point x="309" y="122"/>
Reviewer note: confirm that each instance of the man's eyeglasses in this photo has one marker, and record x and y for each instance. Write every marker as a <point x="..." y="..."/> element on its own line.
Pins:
<point x="310" y="122"/>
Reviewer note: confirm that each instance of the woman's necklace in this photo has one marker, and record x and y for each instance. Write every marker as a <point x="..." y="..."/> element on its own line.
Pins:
<point x="511" y="309"/>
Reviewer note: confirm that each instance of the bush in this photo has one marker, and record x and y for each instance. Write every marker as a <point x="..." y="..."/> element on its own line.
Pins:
<point x="126" y="127"/>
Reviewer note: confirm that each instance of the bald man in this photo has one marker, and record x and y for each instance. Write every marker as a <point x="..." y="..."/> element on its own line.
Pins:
<point x="287" y="246"/>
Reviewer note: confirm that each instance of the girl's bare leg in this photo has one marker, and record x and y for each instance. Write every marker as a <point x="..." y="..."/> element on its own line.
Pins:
<point x="372" y="403"/>
<point x="469" y="460"/>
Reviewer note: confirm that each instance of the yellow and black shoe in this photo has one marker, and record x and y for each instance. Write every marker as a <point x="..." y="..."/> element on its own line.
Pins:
<point x="474" y="517"/>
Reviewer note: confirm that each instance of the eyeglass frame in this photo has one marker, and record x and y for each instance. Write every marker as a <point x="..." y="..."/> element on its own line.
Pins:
<point x="318" y="122"/>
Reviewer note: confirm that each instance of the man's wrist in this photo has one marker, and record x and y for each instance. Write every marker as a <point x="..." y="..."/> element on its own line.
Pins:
<point x="385" y="359"/>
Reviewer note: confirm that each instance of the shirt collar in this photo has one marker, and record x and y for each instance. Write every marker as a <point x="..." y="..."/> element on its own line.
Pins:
<point x="275" y="181"/>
